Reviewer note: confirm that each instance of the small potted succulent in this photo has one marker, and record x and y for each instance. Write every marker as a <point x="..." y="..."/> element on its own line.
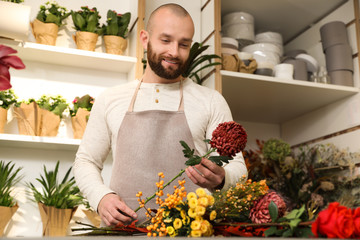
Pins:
<point x="80" y="113"/>
<point x="14" y="19"/>
<point x="115" y="32"/>
<point x="86" y="22"/>
<point x="57" y="200"/>
<point x="7" y="99"/>
<point x="9" y="177"/>
<point x="48" y="20"/>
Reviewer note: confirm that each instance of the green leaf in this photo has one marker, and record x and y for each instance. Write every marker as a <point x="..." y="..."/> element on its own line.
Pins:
<point x="194" y="160"/>
<point x="273" y="210"/>
<point x="220" y="159"/>
<point x="287" y="233"/>
<point x="271" y="231"/>
<point x="294" y="223"/>
<point x="292" y="215"/>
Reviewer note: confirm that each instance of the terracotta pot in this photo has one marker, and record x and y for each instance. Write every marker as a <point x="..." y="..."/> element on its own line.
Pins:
<point x="14" y="20"/>
<point x="79" y="122"/>
<point x="6" y="214"/>
<point x="45" y="33"/>
<point x="85" y="40"/>
<point x="3" y="118"/>
<point x="115" y="44"/>
<point x="55" y="221"/>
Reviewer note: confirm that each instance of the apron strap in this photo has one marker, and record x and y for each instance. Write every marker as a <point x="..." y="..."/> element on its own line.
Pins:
<point x="132" y="103"/>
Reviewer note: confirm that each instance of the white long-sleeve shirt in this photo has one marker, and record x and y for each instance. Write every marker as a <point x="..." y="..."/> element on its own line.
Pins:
<point x="204" y="109"/>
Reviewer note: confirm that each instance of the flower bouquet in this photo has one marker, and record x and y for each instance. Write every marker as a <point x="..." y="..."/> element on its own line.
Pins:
<point x="80" y="114"/>
<point x="8" y="179"/>
<point x="86" y="22"/>
<point x="7" y="98"/>
<point x="48" y="20"/>
<point x="115" y="32"/>
<point x="57" y="201"/>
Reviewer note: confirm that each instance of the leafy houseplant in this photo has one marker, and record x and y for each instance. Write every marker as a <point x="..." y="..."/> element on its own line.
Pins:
<point x="115" y="31"/>
<point x="57" y="201"/>
<point x="14" y="1"/>
<point x="86" y="22"/>
<point x="48" y="20"/>
<point x="9" y="177"/>
<point x="195" y="59"/>
<point x="80" y="114"/>
<point x="7" y="98"/>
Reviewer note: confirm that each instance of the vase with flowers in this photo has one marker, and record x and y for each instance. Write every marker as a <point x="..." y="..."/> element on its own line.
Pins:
<point x="80" y="113"/>
<point x="7" y="99"/>
<point x="48" y="20"/>
<point x="14" y="19"/>
<point x="115" y="32"/>
<point x="86" y="22"/>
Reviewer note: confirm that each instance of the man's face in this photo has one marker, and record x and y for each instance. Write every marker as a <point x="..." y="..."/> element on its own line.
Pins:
<point x="169" y="44"/>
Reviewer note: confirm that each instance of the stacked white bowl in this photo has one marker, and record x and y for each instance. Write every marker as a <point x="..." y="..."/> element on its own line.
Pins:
<point x="239" y="25"/>
<point x="270" y="37"/>
<point x="229" y="46"/>
<point x="265" y="54"/>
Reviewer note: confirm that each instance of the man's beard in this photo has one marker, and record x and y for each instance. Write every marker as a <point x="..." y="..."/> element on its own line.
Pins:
<point x="155" y="62"/>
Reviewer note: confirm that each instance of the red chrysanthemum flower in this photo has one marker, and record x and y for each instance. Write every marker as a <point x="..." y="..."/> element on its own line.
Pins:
<point x="259" y="213"/>
<point x="229" y="138"/>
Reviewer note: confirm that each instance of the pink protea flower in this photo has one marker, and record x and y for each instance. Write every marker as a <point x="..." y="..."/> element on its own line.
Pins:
<point x="259" y="213"/>
<point x="229" y="138"/>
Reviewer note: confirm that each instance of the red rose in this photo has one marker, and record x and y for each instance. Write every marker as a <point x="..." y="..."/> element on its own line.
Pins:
<point x="356" y="219"/>
<point x="334" y="222"/>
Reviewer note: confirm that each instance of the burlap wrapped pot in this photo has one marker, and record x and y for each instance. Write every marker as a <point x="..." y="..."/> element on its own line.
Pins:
<point x="85" y="40"/>
<point x="3" y="119"/>
<point x="50" y="123"/>
<point x="6" y="214"/>
<point x="115" y="44"/>
<point x="28" y="118"/>
<point x="44" y="33"/>
<point x="79" y="122"/>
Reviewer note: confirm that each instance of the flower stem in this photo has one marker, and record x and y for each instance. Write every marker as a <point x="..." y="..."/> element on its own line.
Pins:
<point x="152" y="196"/>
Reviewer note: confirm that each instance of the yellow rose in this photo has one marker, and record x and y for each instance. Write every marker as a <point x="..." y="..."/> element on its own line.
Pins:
<point x="191" y="212"/>
<point x="191" y="195"/>
<point x="195" y="233"/>
<point x="211" y="200"/>
<point x="193" y="203"/>
<point x="177" y="223"/>
<point x="200" y="210"/>
<point x="204" y="228"/>
<point x="201" y="192"/>
<point x="203" y="201"/>
<point x="212" y="215"/>
<point x="195" y="225"/>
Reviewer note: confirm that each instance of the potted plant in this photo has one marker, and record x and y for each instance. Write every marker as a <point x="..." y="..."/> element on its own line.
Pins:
<point x="86" y="22"/>
<point x="9" y="177"/>
<point x="196" y="59"/>
<point x="115" y="32"/>
<point x="7" y="61"/>
<point x="28" y="118"/>
<point x="51" y="110"/>
<point x="14" y="19"/>
<point x="7" y="98"/>
<point x="48" y="20"/>
<point x="57" y="201"/>
<point x="80" y="114"/>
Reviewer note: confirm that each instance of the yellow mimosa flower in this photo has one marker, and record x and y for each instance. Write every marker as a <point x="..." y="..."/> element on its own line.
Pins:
<point x="201" y="192"/>
<point x="177" y="223"/>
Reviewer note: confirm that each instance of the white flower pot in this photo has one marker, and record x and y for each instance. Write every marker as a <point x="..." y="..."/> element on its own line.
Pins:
<point x="14" y="20"/>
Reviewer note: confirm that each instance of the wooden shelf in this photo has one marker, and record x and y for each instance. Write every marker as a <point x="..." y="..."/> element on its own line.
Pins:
<point x="52" y="143"/>
<point x="71" y="57"/>
<point x="257" y="98"/>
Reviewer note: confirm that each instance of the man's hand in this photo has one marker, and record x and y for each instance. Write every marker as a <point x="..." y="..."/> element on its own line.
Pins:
<point x="113" y="210"/>
<point x="207" y="174"/>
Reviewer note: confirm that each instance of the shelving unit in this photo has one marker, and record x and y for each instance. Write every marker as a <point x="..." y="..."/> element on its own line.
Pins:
<point x="71" y="57"/>
<point x="52" y="143"/>
<point x="257" y="98"/>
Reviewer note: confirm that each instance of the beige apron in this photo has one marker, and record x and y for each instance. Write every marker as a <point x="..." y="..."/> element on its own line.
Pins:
<point x="148" y="143"/>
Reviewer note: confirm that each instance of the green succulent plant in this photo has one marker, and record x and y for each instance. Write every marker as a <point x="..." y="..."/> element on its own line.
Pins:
<point x="9" y="177"/>
<point x="116" y="24"/>
<point x="63" y="195"/>
<point x="195" y="59"/>
<point x="87" y="20"/>
<point x="52" y="12"/>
